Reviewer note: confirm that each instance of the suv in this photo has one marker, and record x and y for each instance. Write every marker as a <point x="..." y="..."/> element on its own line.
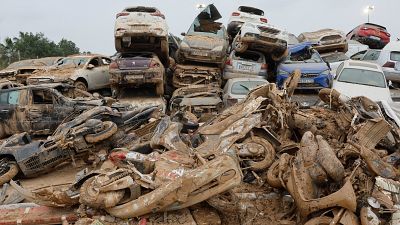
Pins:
<point x="206" y="40"/>
<point x="131" y="69"/>
<point x="242" y="15"/>
<point x="38" y="109"/>
<point x="262" y="37"/>
<point x="373" y="35"/>
<point x="86" y="72"/>
<point x="142" y="28"/>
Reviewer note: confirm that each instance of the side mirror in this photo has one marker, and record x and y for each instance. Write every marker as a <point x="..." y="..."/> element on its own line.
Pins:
<point x="390" y="83"/>
<point x="90" y="66"/>
<point x="183" y="34"/>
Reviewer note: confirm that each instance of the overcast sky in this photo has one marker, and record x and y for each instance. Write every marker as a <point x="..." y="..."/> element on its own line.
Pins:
<point x="90" y="23"/>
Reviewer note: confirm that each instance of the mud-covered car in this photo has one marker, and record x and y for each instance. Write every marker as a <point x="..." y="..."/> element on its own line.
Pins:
<point x="86" y="72"/>
<point x="185" y="75"/>
<point x="133" y="69"/>
<point x="242" y="15"/>
<point x="38" y="109"/>
<point x="206" y="41"/>
<point x="22" y="69"/>
<point x="262" y="37"/>
<point x="204" y="101"/>
<point x="250" y="64"/>
<point x="326" y="40"/>
<point x="140" y="28"/>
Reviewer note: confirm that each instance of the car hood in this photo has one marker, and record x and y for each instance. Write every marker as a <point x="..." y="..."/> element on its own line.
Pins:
<point x="304" y="67"/>
<point x="354" y="90"/>
<point x="203" y="42"/>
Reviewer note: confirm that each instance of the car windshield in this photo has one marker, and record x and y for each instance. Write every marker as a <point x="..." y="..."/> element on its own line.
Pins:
<point x="395" y="56"/>
<point x="371" y="55"/>
<point x="244" y="87"/>
<point x="335" y="57"/>
<point x="304" y="56"/>
<point x="363" y="77"/>
<point x="207" y="28"/>
<point x="76" y="61"/>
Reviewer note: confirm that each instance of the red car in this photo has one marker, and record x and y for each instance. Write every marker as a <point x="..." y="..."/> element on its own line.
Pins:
<point x="373" y="35"/>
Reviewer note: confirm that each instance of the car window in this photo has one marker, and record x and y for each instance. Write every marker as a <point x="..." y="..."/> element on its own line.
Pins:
<point x="371" y="55"/>
<point x="42" y="97"/>
<point x="105" y="61"/>
<point x="247" y="56"/>
<point x="304" y="56"/>
<point x="77" y="61"/>
<point x="363" y="77"/>
<point x="244" y="87"/>
<point x="9" y="98"/>
<point x="335" y="57"/>
<point x="395" y="56"/>
<point x="95" y="62"/>
<point x="207" y="28"/>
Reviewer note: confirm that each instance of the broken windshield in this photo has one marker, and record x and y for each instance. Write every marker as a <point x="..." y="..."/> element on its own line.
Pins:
<point x="76" y="61"/>
<point x="304" y="56"/>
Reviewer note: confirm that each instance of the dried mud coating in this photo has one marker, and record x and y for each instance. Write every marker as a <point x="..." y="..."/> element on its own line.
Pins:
<point x="328" y="160"/>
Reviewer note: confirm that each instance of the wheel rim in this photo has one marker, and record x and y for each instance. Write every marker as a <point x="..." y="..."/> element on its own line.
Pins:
<point x="81" y="86"/>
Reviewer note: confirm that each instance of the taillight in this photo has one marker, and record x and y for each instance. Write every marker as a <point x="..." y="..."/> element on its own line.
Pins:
<point x="122" y="14"/>
<point x="228" y="62"/>
<point x="113" y="65"/>
<point x="264" y="66"/>
<point x="389" y="65"/>
<point x="158" y="14"/>
<point x="235" y="14"/>
<point x="263" y="20"/>
<point x="154" y="64"/>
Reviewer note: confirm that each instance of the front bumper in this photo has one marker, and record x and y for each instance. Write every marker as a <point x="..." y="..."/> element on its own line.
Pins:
<point x="318" y="82"/>
<point x="205" y="56"/>
<point x="121" y="77"/>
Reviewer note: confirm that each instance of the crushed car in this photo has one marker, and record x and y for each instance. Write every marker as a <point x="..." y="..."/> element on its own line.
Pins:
<point x="86" y="72"/>
<point x="141" y="28"/>
<point x="186" y="75"/>
<point x="206" y="40"/>
<point x="325" y="40"/>
<point x="134" y="69"/>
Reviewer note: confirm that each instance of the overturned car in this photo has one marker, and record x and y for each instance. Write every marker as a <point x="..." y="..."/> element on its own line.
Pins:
<point x="326" y="40"/>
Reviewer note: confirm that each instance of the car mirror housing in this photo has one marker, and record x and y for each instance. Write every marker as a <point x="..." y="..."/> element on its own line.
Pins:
<point x="183" y="34"/>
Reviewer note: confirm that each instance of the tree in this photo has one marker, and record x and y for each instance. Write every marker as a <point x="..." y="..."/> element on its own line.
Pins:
<point x="30" y="46"/>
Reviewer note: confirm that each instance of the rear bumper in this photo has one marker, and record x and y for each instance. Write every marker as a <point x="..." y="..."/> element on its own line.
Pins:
<point x="207" y="56"/>
<point x="126" y="77"/>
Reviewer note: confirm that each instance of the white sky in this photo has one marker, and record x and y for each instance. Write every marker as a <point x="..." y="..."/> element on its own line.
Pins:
<point x="90" y="23"/>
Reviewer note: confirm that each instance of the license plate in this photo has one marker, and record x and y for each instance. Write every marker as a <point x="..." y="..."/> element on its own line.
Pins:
<point x="245" y="67"/>
<point x="135" y="76"/>
<point x="375" y="38"/>
<point x="306" y="81"/>
<point x="199" y="53"/>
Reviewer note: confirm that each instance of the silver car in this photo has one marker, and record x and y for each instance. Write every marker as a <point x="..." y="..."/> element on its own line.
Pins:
<point x="248" y="64"/>
<point x="236" y="89"/>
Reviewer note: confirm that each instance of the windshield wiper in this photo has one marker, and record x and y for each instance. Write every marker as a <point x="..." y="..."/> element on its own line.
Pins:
<point x="245" y="87"/>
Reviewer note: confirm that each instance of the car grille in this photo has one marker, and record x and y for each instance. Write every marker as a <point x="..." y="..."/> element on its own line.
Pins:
<point x="309" y="75"/>
<point x="269" y="30"/>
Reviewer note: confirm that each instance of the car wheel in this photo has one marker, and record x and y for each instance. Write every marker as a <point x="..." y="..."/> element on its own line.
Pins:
<point x="80" y="85"/>
<point x="110" y="128"/>
<point x="8" y="170"/>
<point x="240" y="46"/>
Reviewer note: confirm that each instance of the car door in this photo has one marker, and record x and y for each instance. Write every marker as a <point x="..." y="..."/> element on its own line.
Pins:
<point x="40" y="111"/>
<point x="11" y="120"/>
<point x="97" y="74"/>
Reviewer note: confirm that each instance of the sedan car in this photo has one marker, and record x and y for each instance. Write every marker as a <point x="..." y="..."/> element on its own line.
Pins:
<point x="244" y="14"/>
<point x="141" y="28"/>
<point x="245" y="64"/>
<point x="356" y="78"/>
<point x="133" y="69"/>
<point x="373" y="35"/>
<point x="206" y="40"/>
<point x="325" y="40"/>
<point x="86" y="72"/>
<point x="262" y="37"/>
<point x="236" y="89"/>
<point x="315" y="73"/>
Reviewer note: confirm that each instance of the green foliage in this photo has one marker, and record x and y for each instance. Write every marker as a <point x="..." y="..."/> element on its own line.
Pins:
<point x="31" y="46"/>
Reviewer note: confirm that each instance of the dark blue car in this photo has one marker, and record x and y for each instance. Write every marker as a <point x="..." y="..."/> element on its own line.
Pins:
<point x="315" y="73"/>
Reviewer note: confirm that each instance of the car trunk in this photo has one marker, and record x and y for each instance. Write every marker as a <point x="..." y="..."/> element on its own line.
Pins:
<point x="133" y="63"/>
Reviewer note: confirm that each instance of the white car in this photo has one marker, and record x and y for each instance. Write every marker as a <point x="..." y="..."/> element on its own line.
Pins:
<point x="389" y="59"/>
<point x="248" y="64"/>
<point x="141" y="28"/>
<point x="236" y="89"/>
<point x="242" y="15"/>
<point x="355" y="47"/>
<point x="325" y="40"/>
<point x="262" y="37"/>
<point x="334" y="59"/>
<point x="359" y="78"/>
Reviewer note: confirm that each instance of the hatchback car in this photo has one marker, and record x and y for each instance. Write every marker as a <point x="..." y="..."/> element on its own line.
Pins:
<point x="355" y="78"/>
<point x="244" y="14"/>
<point x="325" y="40"/>
<point x="245" y="64"/>
<point x="236" y="89"/>
<point x="315" y="73"/>
<point x="373" y="35"/>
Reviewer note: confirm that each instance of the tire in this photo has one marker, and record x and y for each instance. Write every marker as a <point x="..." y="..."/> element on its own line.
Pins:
<point x="9" y="172"/>
<point x="160" y="89"/>
<point x="240" y="46"/>
<point x="110" y="128"/>
<point x="272" y="175"/>
<point x="118" y="45"/>
<point x="269" y="152"/>
<point x="81" y="85"/>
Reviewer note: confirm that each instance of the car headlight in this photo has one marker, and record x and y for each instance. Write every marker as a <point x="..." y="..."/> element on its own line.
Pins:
<point x="283" y="73"/>
<point x="184" y="45"/>
<point x="218" y="49"/>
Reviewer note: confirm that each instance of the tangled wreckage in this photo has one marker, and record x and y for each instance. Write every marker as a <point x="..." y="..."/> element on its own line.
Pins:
<point x="264" y="160"/>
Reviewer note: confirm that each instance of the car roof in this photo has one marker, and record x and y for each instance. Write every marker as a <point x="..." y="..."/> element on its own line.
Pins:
<point x="362" y="65"/>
